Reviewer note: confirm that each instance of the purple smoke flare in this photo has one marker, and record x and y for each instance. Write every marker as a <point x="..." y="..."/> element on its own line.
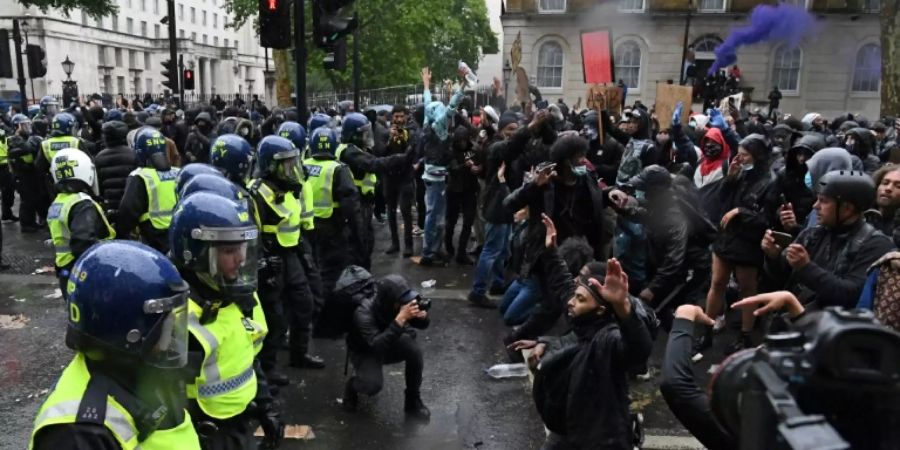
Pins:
<point x="782" y="23"/>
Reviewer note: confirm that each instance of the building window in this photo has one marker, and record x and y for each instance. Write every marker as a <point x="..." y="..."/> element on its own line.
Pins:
<point x="215" y="20"/>
<point x="148" y="85"/>
<point x="180" y="12"/>
<point x="550" y="65"/>
<point x="129" y="25"/>
<point x="193" y="36"/>
<point x="798" y="3"/>
<point x="118" y="54"/>
<point x="235" y="43"/>
<point x="101" y="55"/>
<point x="631" y="5"/>
<point x="115" y="23"/>
<point x="872" y="6"/>
<point x="786" y="71"/>
<point x="128" y="3"/>
<point x="143" y="5"/>
<point x="205" y="38"/>
<point x="628" y="63"/>
<point x="216" y="41"/>
<point x="155" y="6"/>
<point x="712" y="6"/>
<point x="84" y="18"/>
<point x="226" y="42"/>
<point x="707" y="44"/>
<point x="181" y="34"/>
<point x="867" y="73"/>
<point x="156" y="30"/>
<point x="193" y="15"/>
<point x="147" y="61"/>
<point x="120" y="83"/>
<point x="132" y="59"/>
<point x="552" y="6"/>
<point x="143" y="28"/>
<point x="204" y="18"/>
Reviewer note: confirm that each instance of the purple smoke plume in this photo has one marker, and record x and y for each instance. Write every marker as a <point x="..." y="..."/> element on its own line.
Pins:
<point x="785" y="23"/>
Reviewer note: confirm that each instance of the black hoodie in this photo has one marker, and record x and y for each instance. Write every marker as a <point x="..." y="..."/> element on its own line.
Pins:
<point x="864" y="149"/>
<point x="790" y="179"/>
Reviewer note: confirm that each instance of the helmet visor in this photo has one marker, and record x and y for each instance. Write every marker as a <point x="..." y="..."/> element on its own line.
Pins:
<point x="288" y="168"/>
<point x="169" y="349"/>
<point x="367" y="136"/>
<point x="230" y="263"/>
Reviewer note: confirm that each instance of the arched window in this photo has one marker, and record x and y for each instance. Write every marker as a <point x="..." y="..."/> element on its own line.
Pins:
<point x="867" y="72"/>
<point x="628" y="63"/>
<point x="786" y="70"/>
<point x="707" y="44"/>
<point x="550" y="65"/>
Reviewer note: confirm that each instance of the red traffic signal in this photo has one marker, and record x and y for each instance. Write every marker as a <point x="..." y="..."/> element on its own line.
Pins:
<point x="188" y="79"/>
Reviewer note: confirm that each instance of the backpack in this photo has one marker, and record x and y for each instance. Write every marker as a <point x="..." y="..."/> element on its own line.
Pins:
<point x="881" y="293"/>
<point x="353" y="286"/>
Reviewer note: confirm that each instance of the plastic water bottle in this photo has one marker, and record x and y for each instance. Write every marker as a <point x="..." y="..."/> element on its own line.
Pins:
<point x="508" y="371"/>
<point x="465" y="71"/>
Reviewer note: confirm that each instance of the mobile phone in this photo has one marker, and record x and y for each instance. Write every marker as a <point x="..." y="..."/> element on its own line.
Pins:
<point x="783" y="200"/>
<point x="546" y="166"/>
<point x="782" y="239"/>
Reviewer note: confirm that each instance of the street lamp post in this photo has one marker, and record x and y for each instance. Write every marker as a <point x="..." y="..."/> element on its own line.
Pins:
<point x="70" y="86"/>
<point x="507" y="71"/>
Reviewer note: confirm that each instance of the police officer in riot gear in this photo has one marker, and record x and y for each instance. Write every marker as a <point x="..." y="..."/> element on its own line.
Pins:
<point x="149" y="196"/>
<point x="76" y="219"/>
<point x="124" y="388"/>
<point x="284" y="291"/>
<point x="189" y="171"/>
<point x="214" y="245"/>
<point x="23" y="149"/>
<point x="337" y="237"/>
<point x="357" y="141"/>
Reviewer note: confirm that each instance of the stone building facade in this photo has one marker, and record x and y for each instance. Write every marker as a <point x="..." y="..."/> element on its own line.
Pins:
<point x="836" y="71"/>
<point x="124" y="53"/>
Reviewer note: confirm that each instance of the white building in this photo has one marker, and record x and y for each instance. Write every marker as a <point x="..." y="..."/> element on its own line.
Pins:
<point x="124" y="53"/>
<point x="836" y="71"/>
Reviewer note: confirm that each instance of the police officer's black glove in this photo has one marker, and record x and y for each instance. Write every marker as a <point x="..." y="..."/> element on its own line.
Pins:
<point x="269" y="269"/>
<point x="273" y="428"/>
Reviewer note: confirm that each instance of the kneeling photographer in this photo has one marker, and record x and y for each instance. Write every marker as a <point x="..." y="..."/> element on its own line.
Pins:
<point x="381" y="333"/>
<point x="829" y="381"/>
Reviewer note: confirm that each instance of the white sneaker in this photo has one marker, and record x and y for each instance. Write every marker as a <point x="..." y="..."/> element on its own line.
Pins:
<point x="720" y="324"/>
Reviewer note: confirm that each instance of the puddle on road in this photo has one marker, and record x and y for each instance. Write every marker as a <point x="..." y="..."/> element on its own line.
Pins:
<point x="13" y="322"/>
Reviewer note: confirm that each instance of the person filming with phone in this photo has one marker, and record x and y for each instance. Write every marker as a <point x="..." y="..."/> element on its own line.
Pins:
<point x="826" y="264"/>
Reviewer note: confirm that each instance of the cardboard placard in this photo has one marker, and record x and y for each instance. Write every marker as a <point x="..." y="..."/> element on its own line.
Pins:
<point x="611" y="99"/>
<point x="667" y="96"/>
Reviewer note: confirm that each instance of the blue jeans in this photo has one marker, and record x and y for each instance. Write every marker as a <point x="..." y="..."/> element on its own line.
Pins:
<point x="493" y="257"/>
<point x="519" y="300"/>
<point x="435" y="215"/>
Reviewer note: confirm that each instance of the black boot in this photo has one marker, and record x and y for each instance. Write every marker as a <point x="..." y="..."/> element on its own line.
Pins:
<point x="464" y="260"/>
<point x="307" y="361"/>
<point x="481" y="301"/>
<point x="351" y="398"/>
<point x="414" y="406"/>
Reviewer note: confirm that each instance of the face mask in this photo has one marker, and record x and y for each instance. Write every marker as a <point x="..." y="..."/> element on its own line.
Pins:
<point x="746" y="167"/>
<point x="712" y="151"/>
<point x="580" y="170"/>
<point x="807" y="180"/>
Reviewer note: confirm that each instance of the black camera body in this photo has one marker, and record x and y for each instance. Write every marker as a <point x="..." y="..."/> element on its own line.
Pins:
<point x="424" y="303"/>
<point x="833" y="382"/>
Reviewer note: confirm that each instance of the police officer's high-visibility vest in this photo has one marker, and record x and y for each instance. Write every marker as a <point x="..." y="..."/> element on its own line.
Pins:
<point x="161" y="196"/>
<point x="226" y="383"/>
<point x="62" y="406"/>
<point x="287" y="230"/>
<point x="52" y="145"/>
<point x="4" y="150"/>
<point x="307" y="209"/>
<point x="58" y="220"/>
<point x="320" y="178"/>
<point x="366" y="184"/>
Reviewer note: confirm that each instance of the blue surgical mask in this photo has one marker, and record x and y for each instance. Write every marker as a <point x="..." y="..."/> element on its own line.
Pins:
<point x="807" y="180"/>
<point x="580" y="170"/>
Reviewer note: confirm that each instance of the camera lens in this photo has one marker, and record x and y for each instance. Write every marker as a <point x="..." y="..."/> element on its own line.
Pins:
<point x="424" y="304"/>
<point x="726" y="386"/>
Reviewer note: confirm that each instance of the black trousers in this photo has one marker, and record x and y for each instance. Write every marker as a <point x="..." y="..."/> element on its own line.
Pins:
<point x="466" y="203"/>
<point x="331" y="251"/>
<point x="420" y="200"/>
<point x="235" y="433"/>
<point x="368" y="378"/>
<point x="366" y="205"/>
<point x="400" y="194"/>
<point x="30" y="190"/>
<point x="287" y="302"/>
<point x="7" y="190"/>
<point x="379" y="197"/>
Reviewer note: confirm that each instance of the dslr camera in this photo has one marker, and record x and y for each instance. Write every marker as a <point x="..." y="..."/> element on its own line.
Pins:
<point x="832" y="382"/>
<point x="413" y="295"/>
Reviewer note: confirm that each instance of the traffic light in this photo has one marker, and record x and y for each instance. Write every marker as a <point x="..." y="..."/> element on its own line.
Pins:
<point x="329" y="26"/>
<point x="275" y="23"/>
<point x="188" y="80"/>
<point x="170" y="79"/>
<point x="337" y="58"/>
<point x="37" y="61"/>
